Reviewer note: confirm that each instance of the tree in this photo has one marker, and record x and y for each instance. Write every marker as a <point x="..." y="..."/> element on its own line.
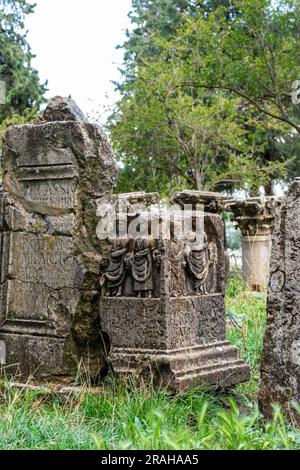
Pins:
<point x="24" y="92"/>
<point x="151" y="17"/>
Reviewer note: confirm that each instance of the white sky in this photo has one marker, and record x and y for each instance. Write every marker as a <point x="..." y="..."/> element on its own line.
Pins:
<point x="74" y="42"/>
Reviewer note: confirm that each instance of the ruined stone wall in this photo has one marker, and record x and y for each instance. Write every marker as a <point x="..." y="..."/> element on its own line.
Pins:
<point x="55" y="173"/>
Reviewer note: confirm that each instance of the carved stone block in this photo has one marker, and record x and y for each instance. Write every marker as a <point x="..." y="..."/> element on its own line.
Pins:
<point x="280" y="370"/>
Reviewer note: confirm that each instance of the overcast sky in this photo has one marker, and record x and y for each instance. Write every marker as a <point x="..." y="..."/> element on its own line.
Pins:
<point x="74" y="42"/>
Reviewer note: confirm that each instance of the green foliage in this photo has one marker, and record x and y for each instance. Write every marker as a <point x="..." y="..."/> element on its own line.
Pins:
<point x="15" y="119"/>
<point x="233" y="236"/>
<point x="141" y="417"/>
<point x="24" y="93"/>
<point x="28" y="116"/>
<point x="169" y="139"/>
<point x="289" y="149"/>
<point x="206" y="96"/>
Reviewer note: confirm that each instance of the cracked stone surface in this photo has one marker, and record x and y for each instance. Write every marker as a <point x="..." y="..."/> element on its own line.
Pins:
<point x="280" y="370"/>
<point x="162" y="304"/>
<point x="55" y="173"/>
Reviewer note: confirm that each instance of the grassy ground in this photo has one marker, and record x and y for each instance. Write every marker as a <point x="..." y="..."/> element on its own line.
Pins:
<point x="144" y="418"/>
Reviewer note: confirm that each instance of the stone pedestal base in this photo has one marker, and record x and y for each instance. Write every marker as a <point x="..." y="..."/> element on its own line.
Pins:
<point x="179" y="342"/>
<point x="212" y="365"/>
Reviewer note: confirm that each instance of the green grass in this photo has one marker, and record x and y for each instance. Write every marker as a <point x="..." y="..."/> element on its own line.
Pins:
<point x="144" y="418"/>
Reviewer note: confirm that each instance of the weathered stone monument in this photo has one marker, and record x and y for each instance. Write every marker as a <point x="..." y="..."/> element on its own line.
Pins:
<point x="255" y="218"/>
<point x="162" y="303"/>
<point x="55" y="173"/>
<point x="280" y="370"/>
<point x="162" y="312"/>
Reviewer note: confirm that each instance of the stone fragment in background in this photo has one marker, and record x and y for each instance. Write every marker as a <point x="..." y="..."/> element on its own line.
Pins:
<point x="280" y="369"/>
